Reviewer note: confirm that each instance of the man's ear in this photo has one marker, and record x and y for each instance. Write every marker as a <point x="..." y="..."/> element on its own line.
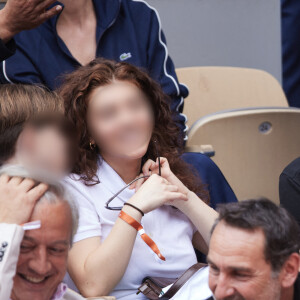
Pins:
<point x="290" y="270"/>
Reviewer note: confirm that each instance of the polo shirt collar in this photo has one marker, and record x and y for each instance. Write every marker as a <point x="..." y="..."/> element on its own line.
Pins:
<point x="112" y="181"/>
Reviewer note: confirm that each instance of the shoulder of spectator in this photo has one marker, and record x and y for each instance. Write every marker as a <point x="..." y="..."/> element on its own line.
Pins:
<point x="142" y="10"/>
<point x="33" y="38"/>
<point x="292" y="170"/>
<point x="10" y="234"/>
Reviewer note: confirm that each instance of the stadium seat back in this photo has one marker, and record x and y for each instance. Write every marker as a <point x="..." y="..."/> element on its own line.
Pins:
<point x="214" y="89"/>
<point x="252" y="146"/>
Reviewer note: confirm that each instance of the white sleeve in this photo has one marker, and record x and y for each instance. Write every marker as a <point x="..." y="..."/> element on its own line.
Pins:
<point x="89" y="224"/>
<point x="11" y="236"/>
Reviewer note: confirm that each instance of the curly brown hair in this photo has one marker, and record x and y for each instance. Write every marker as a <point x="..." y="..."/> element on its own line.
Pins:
<point x="76" y="90"/>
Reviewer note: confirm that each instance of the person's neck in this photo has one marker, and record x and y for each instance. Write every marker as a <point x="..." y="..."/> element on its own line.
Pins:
<point x="14" y="160"/>
<point x="126" y="169"/>
<point x="76" y="11"/>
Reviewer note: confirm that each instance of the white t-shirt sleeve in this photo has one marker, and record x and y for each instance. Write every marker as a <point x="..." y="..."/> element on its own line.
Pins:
<point x="89" y="224"/>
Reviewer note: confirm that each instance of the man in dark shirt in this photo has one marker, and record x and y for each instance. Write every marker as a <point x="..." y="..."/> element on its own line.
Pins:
<point x="297" y="288"/>
<point x="290" y="32"/>
<point x="289" y="189"/>
<point x="18" y="15"/>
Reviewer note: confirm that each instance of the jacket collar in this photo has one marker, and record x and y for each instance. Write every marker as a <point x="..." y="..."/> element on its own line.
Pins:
<point x="107" y="12"/>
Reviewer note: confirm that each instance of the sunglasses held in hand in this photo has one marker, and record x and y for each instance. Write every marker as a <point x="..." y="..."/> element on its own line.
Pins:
<point x="128" y="185"/>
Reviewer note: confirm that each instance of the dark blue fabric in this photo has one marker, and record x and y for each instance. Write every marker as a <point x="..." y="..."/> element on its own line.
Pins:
<point x="219" y="189"/>
<point x="289" y="188"/>
<point x="7" y="50"/>
<point x="123" y="27"/>
<point x="290" y="30"/>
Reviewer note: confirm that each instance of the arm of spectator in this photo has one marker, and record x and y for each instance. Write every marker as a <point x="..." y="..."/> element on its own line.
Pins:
<point x="18" y="197"/>
<point x="20" y="68"/>
<point x="18" y="15"/>
<point x="161" y="68"/>
<point x="200" y="214"/>
<point x="7" y="49"/>
<point x="17" y="200"/>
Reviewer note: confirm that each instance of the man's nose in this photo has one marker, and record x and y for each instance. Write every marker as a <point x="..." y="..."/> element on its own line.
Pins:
<point x="223" y="288"/>
<point x="40" y="263"/>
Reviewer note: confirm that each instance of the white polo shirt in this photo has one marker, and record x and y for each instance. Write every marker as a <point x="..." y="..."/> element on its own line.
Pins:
<point x="170" y="229"/>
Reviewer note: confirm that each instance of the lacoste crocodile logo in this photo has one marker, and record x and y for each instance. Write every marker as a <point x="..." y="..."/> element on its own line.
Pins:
<point x="125" y="56"/>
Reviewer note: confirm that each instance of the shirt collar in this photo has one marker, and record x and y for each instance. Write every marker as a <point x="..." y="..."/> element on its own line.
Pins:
<point x="112" y="181"/>
<point x="60" y="291"/>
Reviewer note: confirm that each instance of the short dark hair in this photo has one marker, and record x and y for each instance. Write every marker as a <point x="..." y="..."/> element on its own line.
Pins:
<point x="20" y="103"/>
<point x="281" y="231"/>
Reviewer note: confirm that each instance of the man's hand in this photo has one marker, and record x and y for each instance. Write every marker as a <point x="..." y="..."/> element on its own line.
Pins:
<point x="18" y="15"/>
<point x="18" y="197"/>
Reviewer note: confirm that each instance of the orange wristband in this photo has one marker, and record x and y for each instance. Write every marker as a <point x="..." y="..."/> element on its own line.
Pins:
<point x="139" y="228"/>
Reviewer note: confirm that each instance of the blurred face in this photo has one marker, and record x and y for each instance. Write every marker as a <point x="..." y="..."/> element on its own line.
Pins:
<point x="44" y="148"/>
<point x="120" y="120"/>
<point x="237" y="266"/>
<point x="42" y="261"/>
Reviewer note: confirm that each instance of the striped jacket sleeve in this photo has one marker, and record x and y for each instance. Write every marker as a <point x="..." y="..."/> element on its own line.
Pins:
<point x="161" y="68"/>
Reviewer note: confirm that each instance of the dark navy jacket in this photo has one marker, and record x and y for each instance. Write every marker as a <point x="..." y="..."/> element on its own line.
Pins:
<point x="290" y="31"/>
<point x="128" y="30"/>
<point x="289" y="189"/>
<point x="7" y="50"/>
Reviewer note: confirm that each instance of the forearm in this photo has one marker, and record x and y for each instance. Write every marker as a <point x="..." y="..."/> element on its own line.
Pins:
<point x="105" y="266"/>
<point x="200" y="214"/>
<point x="5" y="34"/>
<point x="178" y="117"/>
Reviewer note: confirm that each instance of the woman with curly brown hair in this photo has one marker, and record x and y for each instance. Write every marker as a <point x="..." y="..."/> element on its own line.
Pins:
<point x="125" y="131"/>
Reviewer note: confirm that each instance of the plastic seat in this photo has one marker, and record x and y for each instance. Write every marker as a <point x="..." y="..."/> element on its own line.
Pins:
<point x="252" y="146"/>
<point x="214" y="89"/>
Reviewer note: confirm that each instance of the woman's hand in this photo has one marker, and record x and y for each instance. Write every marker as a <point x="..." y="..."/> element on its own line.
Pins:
<point x="18" y="197"/>
<point x="155" y="192"/>
<point x="152" y="167"/>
